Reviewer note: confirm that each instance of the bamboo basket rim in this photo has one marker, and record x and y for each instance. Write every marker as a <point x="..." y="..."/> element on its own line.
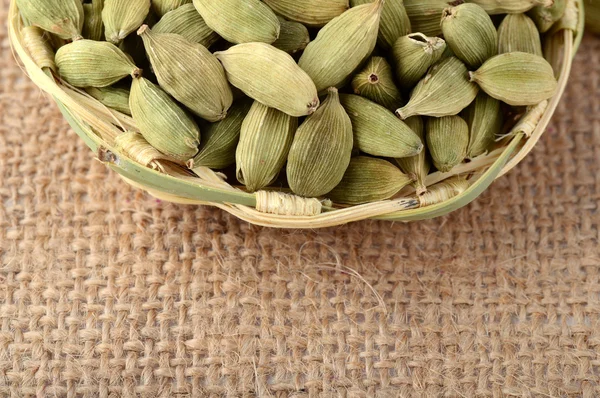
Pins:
<point x="96" y="125"/>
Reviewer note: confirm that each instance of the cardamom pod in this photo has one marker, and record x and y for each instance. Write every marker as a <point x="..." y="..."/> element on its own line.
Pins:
<point x="447" y="140"/>
<point x="376" y="82"/>
<point x="220" y="140"/>
<point x="121" y="17"/>
<point x="342" y="45"/>
<point x="162" y="7"/>
<point x="546" y="16"/>
<point x="186" y="21"/>
<point x="271" y="77"/>
<point x="413" y="55"/>
<point x="93" y="27"/>
<point x="61" y="17"/>
<point x="518" y="32"/>
<point x="394" y="21"/>
<point x="519" y="79"/>
<point x="189" y="72"/>
<point x="494" y="7"/>
<point x="265" y="140"/>
<point x="314" y="13"/>
<point x="89" y="63"/>
<point x="114" y="98"/>
<point x="293" y="37"/>
<point x="470" y="33"/>
<point x="321" y="150"/>
<point x="485" y="120"/>
<point x="425" y="15"/>
<point x="445" y="91"/>
<point x="377" y="131"/>
<point x="368" y="180"/>
<point x="416" y="167"/>
<point x="162" y="122"/>
<point x="240" y="21"/>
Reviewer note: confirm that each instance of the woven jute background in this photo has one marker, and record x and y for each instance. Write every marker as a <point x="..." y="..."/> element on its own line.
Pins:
<point x="107" y="292"/>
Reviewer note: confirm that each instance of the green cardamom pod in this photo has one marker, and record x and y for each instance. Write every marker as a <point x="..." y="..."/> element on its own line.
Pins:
<point x="546" y="16"/>
<point x="314" y="13"/>
<point x="518" y="32"/>
<point x="220" y="140"/>
<point x="485" y="120"/>
<point x="114" y="98"/>
<point x="89" y="63"/>
<point x="394" y="21"/>
<point x="413" y="55"/>
<point x="93" y="27"/>
<point x="265" y="140"/>
<point x="271" y="77"/>
<point x="186" y="21"/>
<point x="445" y="91"/>
<point x="519" y="79"/>
<point x="425" y="15"/>
<point x="416" y="167"/>
<point x="321" y="150"/>
<point x="64" y="18"/>
<point x="470" y="33"/>
<point x="376" y="82"/>
<point x="240" y="21"/>
<point x="368" y="180"/>
<point x="342" y="45"/>
<point x="121" y="17"/>
<point x="189" y="72"/>
<point x="494" y="7"/>
<point x="293" y="37"/>
<point x="447" y="141"/>
<point x="162" y="7"/>
<point x="162" y="122"/>
<point x="377" y="131"/>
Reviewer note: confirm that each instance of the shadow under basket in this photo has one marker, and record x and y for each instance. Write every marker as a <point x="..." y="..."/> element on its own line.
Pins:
<point x="98" y="126"/>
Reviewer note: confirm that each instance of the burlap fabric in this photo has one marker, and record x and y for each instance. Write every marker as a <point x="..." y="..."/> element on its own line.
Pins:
<point x="107" y="292"/>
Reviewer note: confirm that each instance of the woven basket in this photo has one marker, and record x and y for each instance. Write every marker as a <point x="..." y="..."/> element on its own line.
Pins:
<point x="98" y="126"/>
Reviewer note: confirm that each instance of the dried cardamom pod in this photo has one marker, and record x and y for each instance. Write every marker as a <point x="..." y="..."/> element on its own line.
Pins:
<point x="445" y="91"/>
<point x="494" y="7"/>
<point x="271" y="77"/>
<point x="368" y="180"/>
<point x="416" y="167"/>
<point x="413" y="56"/>
<point x="314" y="13"/>
<point x="546" y="16"/>
<point x="265" y="140"/>
<point x="293" y="37"/>
<point x="447" y="141"/>
<point x="394" y="21"/>
<point x="240" y="21"/>
<point x="425" y="15"/>
<point x="342" y="45"/>
<point x="121" y="17"/>
<point x="485" y="120"/>
<point x="376" y="82"/>
<point x="93" y="27"/>
<point x="162" y="122"/>
<point x="186" y="21"/>
<point x="64" y="18"/>
<point x="114" y="98"/>
<point x="162" y="7"/>
<point x="321" y="150"/>
<point x="518" y="32"/>
<point x="89" y="63"/>
<point x="189" y="72"/>
<point x="377" y="131"/>
<point x="519" y="79"/>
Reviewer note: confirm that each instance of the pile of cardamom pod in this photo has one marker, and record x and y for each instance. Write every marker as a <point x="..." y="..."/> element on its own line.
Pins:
<point x="351" y="100"/>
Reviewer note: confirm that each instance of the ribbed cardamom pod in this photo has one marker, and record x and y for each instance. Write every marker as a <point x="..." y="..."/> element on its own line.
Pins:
<point x="186" y="21"/>
<point x="189" y="72"/>
<point x="471" y="34"/>
<point x="494" y="7"/>
<point x="265" y="140"/>
<point x="162" y="7"/>
<point x="518" y="32"/>
<point x="162" y="122"/>
<point x="485" y="120"/>
<point x="93" y="27"/>
<point x="425" y="15"/>
<point x="377" y="131"/>
<point x="416" y="167"/>
<point x="394" y="21"/>
<point x="61" y="17"/>
<point x="545" y="16"/>
<point x="89" y="63"/>
<point x="293" y="37"/>
<point x="368" y="180"/>
<point x="447" y="141"/>
<point x="220" y="140"/>
<point x="342" y="45"/>
<point x="519" y="79"/>
<point x="271" y="77"/>
<point x="413" y="55"/>
<point x="321" y="150"/>
<point x="314" y="13"/>
<point x="240" y="21"/>
<point x="121" y="17"/>
<point x="376" y="82"/>
<point x="114" y="98"/>
<point x="445" y="91"/>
